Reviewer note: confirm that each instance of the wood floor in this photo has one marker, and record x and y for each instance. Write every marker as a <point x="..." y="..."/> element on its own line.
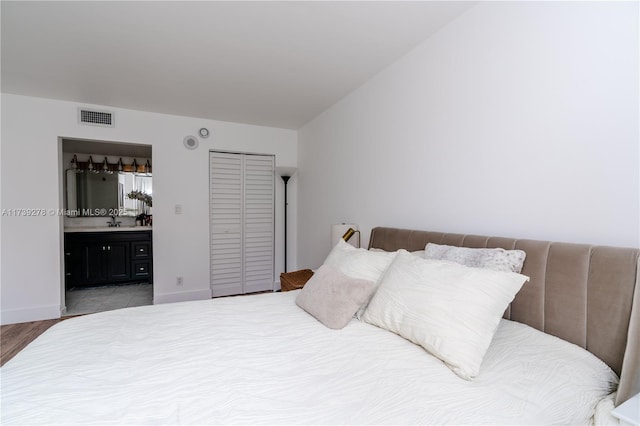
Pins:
<point x="14" y="337"/>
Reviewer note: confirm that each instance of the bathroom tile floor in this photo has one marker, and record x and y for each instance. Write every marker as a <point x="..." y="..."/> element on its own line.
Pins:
<point x="99" y="299"/>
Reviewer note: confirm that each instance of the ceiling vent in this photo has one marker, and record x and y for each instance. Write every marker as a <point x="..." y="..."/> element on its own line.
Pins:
<point x="94" y="117"/>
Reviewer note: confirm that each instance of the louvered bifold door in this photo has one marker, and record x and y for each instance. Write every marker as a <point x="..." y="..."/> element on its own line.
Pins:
<point x="226" y="211"/>
<point x="242" y="223"/>
<point x="258" y="223"/>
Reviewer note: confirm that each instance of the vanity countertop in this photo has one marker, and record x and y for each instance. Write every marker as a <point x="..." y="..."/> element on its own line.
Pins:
<point x="106" y="228"/>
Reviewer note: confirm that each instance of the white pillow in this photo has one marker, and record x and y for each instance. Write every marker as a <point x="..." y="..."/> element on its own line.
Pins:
<point x="497" y="259"/>
<point x="359" y="263"/>
<point x="419" y="253"/>
<point x="451" y="310"/>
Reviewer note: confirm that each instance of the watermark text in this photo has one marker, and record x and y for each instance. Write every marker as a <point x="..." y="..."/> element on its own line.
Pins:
<point x="63" y="212"/>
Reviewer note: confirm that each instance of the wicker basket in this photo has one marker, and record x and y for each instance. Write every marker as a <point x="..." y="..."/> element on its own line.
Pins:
<point x="294" y="280"/>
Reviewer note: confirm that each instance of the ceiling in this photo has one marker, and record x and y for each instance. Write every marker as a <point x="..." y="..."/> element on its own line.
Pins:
<point x="267" y="63"/>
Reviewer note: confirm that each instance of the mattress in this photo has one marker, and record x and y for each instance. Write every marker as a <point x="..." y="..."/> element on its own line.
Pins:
<point x="262" y="360"/>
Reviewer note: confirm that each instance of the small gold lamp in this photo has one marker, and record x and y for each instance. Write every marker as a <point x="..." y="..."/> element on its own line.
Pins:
<point x="347" y="235"/>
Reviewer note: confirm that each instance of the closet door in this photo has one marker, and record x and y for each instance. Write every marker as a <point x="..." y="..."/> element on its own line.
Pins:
<point x="226" y="223"/>
<point x="242" y="223"/>
<point x="258" y="223"/>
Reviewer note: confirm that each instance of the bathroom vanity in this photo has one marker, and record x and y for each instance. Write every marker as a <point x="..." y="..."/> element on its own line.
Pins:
<point x="99" y="256"/>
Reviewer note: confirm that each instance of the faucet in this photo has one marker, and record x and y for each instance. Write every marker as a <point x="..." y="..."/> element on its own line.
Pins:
<point x="112" y="223"/>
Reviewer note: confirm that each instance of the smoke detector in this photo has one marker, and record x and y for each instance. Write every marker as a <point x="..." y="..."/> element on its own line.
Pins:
<point x="190" y="142"/>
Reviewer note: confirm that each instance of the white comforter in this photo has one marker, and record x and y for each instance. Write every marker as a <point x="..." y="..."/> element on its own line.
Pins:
<point x="262" y="360"/>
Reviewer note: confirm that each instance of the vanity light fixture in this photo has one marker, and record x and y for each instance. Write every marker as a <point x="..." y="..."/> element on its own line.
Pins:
<point x="147" y="167"/>
<point x="134" y="166"/>
<point x="105" y="166"/>
<point x="120" y="165"/>
<point x="74" y="164"/>
<point x="90" y="164"/>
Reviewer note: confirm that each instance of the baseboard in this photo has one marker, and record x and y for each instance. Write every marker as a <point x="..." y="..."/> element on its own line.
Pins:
<point x="39" y="313"/>
<point x="182" y="296"/>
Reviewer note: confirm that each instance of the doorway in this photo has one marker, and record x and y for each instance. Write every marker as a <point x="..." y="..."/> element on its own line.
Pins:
<point x="107" y="225"/>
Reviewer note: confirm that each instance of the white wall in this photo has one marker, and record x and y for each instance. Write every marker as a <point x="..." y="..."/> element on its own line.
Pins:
<point x="518" y="119"/>
<point x="31" y="160"/>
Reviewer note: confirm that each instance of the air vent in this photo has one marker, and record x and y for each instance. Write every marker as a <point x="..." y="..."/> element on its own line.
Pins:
<point x="94" y="117"/>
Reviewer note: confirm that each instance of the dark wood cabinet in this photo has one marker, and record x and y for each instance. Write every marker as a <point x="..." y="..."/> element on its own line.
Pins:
<point x="118" y="261"/>
<point x="97" y="258"/>
<point x="94" y="259"/>
<point x="105" y="261"/>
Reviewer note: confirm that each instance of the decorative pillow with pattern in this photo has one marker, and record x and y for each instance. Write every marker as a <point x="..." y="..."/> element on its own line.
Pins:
<point x="497" y="259"/>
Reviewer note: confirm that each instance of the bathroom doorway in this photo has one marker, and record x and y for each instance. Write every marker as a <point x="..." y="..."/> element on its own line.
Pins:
<point x="107" y="225"/>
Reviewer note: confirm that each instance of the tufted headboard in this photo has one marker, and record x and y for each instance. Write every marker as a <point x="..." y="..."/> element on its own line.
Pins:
<point x="587" y="295"/>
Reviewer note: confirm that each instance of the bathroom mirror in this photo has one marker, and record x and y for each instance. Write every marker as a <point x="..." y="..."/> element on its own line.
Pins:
<point x="104" y="194"/>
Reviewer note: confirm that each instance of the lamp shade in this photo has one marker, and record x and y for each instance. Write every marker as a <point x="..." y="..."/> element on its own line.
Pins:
<point x="286" y="171"/>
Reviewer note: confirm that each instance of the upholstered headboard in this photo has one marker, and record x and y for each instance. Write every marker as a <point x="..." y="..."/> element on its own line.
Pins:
<point x="587" y="295"/>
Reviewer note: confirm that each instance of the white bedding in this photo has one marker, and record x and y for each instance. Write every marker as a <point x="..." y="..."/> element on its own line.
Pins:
<point x="263" y="360"/>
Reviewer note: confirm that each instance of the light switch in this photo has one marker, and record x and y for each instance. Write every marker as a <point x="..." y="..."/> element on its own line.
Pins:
<point x="178" y="208"/>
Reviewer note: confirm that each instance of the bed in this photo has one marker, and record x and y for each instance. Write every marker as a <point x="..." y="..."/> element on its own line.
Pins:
<point x="573" y="329"/>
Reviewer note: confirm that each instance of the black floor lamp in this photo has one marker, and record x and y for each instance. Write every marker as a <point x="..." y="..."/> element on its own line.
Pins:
<point x="285" y="173"/>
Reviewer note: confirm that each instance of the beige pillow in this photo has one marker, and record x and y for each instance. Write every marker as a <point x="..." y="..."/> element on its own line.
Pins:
<point x="333" y="298"/>
<point x="450" y="310"/>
